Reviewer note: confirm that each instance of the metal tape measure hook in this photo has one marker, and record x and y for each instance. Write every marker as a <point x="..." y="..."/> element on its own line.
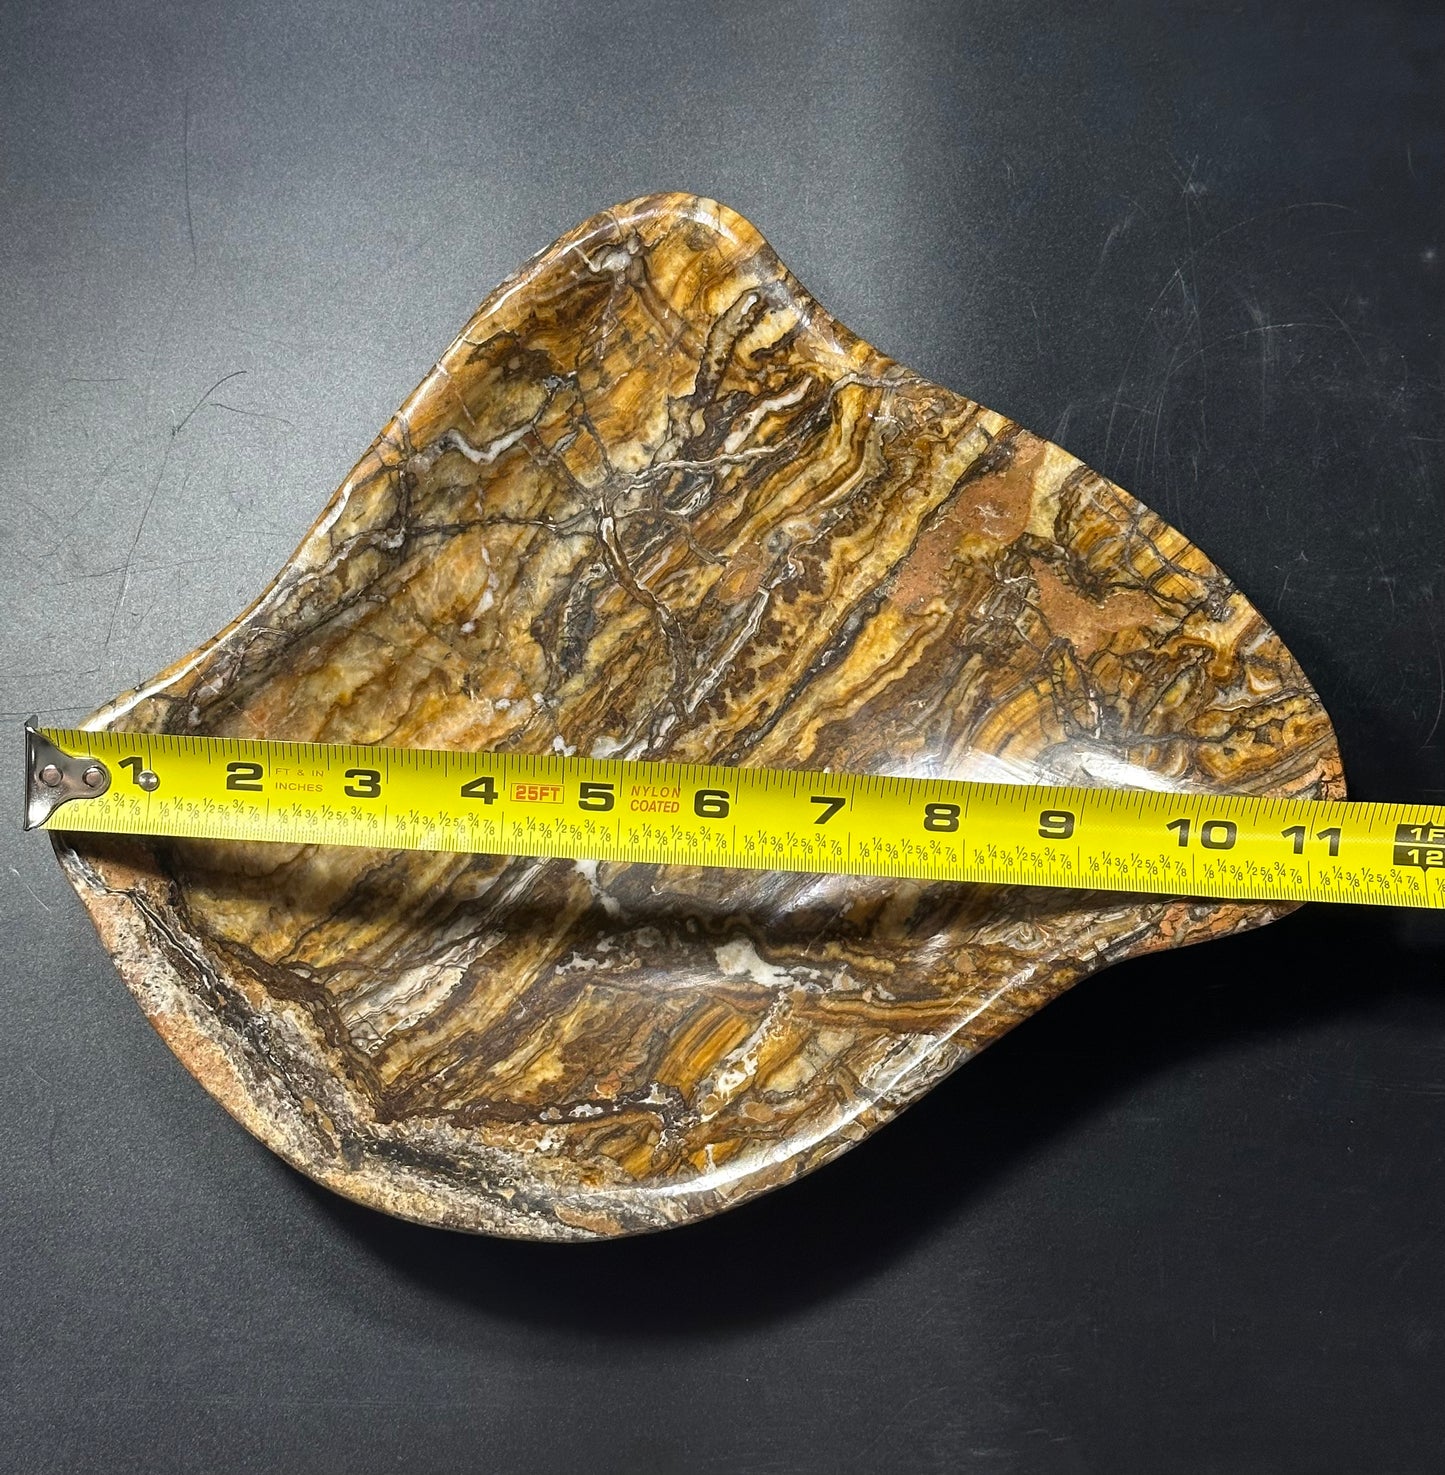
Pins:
<point x="52" y="777"/>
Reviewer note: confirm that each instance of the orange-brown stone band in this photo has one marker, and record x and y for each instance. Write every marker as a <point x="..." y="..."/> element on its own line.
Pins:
<point x="655" y="502"/>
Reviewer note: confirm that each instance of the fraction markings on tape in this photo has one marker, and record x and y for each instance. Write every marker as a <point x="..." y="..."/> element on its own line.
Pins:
<point x="1229" y="846"/>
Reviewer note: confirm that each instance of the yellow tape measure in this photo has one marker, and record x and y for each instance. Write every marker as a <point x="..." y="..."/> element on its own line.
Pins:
<point x="1216" y="845"/>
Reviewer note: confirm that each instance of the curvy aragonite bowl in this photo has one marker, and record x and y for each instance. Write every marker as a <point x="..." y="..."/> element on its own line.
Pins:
<point x="655" y="502"/>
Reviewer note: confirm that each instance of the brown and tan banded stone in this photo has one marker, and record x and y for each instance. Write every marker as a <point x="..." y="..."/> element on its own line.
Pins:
<point x="654" y="501"/>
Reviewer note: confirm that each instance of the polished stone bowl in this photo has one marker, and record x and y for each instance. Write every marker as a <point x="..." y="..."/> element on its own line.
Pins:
<point x="654" y="502"/>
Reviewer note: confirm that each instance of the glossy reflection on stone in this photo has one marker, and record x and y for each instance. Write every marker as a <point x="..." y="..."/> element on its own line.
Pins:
<point x="655" y="502"/>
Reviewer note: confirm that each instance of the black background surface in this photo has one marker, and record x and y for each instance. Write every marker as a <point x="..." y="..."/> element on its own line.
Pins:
<point x="1193" y="1216"/>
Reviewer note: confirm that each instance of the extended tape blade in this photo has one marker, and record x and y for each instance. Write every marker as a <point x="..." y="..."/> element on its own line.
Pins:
<point x="1227" y="846"/>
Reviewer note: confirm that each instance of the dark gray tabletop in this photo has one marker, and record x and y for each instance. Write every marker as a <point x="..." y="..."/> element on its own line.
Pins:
<point x="1193" y="1216"/>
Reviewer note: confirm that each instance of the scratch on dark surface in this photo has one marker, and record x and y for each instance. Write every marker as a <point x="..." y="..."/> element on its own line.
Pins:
<point x="186" y="171"/>
<point x="45" y="672"/>
<point x="40" y="900"/>
<point x="1192" y="189"/>
<point x="45" y="1093"/>
<point x="1268" y="351"/>
<point x="1243" y="333"/>
<point x="1186" y="276"/>
<point x="1345" y="329"/>
<point x="1385" y="577"/>
<point x="1176" y="276"/>
<point x="19" y="714"/>
<point x="1260" y="215"/>
<point x="224" y="379"/>
<point x="140" y="529"/>
<point x="1119" y="227"/>
<point x="1440" y="683"/>
<point x="168" y="567"/>
<point x="253" y="414"/>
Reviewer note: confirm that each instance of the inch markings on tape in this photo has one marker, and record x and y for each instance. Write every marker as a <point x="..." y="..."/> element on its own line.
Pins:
<point x="1229" y="846"/>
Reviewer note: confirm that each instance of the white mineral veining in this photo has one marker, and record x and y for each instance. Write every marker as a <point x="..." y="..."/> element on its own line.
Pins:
<point x="587" y="869"/>
<point x="739" y="959"/>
